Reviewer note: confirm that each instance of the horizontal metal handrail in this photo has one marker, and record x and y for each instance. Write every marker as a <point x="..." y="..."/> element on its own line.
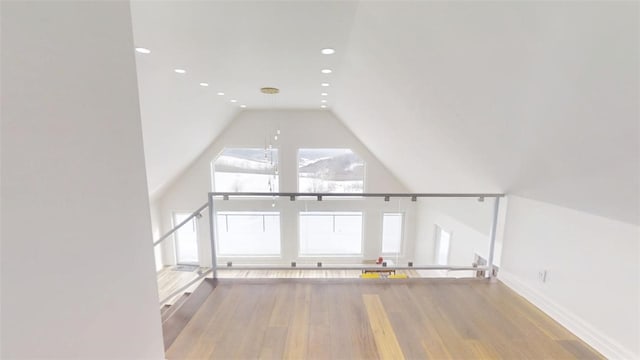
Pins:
<point x="185" y="287"/>
<point x="355" y="267"/>
<point x="194" y="214"/>
<point x="381" y="195"/>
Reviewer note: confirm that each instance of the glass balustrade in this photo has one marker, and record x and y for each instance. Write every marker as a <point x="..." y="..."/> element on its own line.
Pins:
<point x="333" y="235"/>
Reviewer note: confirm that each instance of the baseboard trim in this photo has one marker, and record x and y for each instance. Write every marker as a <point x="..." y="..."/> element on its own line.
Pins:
<point x="589" y="334"/>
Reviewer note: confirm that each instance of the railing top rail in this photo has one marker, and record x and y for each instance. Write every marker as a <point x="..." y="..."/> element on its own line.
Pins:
<point x="382" y="195"/>
<point x="194" y="214"/>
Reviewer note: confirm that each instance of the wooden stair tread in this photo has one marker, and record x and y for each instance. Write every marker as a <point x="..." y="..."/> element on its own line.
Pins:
<point x="165" y="308"/>
<point x="173" y="308"/>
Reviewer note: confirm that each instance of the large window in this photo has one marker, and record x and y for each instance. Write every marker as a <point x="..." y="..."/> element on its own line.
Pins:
<point x="330" y="233"/>
<point x="330" y="170"/>
<point x="392" y="233"/>
<point x="248" y="233"/>
<point x="246" y="170"/>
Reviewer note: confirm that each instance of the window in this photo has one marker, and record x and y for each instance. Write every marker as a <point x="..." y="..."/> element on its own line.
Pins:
<point x="246" y="170"/>
<point x="330" y="233"/>
<point x="330" y="170"/>
<point x="392" y="233"/>
<point x="248" y="233"/>
<point x="186" y="238"/>
<point x="443" y="244"/>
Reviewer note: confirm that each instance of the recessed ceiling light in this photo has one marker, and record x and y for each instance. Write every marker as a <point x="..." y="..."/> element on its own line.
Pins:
<point x="243" y="106"/>
<point x="204" y="84"/>
<point x="323" y="101"/>
<point x="324" y="94"/>
<point x="327" y="51"/>
<point x="221" y="93"/>
<point x="326" y="71"/>
<point x="323" y="106"/>
<point x="233" y="100"/>
<point x="325" y="84"/>
<point x="180" y="71"/>
<point x="143" y="50"/>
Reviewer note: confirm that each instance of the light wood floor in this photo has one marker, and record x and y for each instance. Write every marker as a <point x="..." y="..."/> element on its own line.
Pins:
<point x="170" y="280"/>
<point x="370" y="319"/>
<point x="300" y="274"/>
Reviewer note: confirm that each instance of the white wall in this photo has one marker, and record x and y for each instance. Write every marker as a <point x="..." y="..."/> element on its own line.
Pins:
<point x="77" y="269"/>
<point x="299" y="129"/>
<point x="593" y="266"/>
<point x="156" y="232"/>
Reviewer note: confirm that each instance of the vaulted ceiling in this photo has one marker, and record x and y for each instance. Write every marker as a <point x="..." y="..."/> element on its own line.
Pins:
<point x="536" y="99"/>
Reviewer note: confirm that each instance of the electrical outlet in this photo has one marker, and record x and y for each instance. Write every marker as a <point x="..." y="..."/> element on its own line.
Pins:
<point x="542" y="276"/>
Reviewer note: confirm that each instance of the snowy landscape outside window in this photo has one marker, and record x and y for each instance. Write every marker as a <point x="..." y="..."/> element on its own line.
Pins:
<point x="246" y="170"/>
<point x="330" y="171"/>
<point x="330" y="233"/>
<point x="248" y="233"/>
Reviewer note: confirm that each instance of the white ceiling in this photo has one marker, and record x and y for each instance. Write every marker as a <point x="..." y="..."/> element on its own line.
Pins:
<point x="237" y="48"/>
<point x="535" y="99"/>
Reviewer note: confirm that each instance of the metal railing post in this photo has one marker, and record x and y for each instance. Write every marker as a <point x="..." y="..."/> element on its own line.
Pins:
<point x="492" y="236"/>
<point x="214" y="260"/>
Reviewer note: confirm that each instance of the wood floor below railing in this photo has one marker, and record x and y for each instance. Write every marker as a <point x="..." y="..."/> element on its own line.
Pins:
<point x="371" y="319"/>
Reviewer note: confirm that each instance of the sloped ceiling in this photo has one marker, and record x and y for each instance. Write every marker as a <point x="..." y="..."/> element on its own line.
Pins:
<point x="535" y="99"/>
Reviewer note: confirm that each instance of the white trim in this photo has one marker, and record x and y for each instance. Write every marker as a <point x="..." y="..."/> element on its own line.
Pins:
<point x="579" y="327"/>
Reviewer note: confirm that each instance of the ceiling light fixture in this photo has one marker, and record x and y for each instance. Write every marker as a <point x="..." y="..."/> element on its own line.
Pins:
<point x="180" y="71"/>
<point x="243" y="106"/>
<point x="142" y="50"/>
<point x="328" y="51"/>
<point x="204" y="84"/>
<point x="323" y="106"/>
<point x="233" y="100"/>
<point x="325" y="85"/>
<point x="221" y="93"/>
<point x="269" y="90"/>
<point x="324" y="94"/>
<point x="326" y="71"/>
<point x="323" y="101"/>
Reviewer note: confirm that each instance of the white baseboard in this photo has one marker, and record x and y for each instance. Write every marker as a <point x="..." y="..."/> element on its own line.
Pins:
<point x="588" y="333"/>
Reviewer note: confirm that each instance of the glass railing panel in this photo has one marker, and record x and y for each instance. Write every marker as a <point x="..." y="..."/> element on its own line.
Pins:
<point x="271" y="236"/>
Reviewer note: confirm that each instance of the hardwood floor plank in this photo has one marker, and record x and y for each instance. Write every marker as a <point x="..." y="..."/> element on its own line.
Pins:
<point x="370" y="319"/>
<point x="386" y="342"/>
<point x="403" y="312"/>
<point x="282" y="311"/>
<point x="319" y="325"/>
<point x="273" y="343"/>
<point x="298" y="334"/>
<point x="254" y="331"/>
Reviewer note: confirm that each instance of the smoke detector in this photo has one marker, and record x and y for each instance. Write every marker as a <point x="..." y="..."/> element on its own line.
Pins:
<point x="270" y="90"/>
